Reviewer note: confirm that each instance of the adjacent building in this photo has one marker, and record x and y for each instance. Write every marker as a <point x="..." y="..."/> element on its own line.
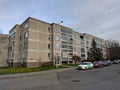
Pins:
<point x="37" y="43"/>
<point x="4" y="40"/>
<point x="101" y="43"/>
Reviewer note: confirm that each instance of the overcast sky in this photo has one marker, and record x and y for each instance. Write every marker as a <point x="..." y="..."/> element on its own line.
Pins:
<point x="97" y="17"/>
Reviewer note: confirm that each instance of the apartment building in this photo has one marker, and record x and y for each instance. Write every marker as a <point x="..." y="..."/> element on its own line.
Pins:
<point x="30" y="43"/>
<point x="37" y="43"/>
<point x="79" y="45"/>
<point x="3" y="49"/>
<point x="101" y="43"/>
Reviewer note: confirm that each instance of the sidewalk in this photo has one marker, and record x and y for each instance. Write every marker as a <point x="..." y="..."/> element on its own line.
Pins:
<point x="10" y="76"/>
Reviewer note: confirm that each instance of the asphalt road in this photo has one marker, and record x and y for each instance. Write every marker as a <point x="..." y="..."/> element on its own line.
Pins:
<point x="107" y="78"/>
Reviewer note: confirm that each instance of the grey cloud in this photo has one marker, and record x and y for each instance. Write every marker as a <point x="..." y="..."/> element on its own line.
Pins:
<point x="96" y="17"/>
<point x="100" y="18"/>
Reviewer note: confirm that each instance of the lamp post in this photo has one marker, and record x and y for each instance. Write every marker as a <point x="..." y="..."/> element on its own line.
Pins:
<point x="60" y="22"/>
<point x="57" y="58"/>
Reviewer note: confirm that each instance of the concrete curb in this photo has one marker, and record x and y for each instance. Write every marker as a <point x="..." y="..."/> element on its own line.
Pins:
<point x="11" y="76"/>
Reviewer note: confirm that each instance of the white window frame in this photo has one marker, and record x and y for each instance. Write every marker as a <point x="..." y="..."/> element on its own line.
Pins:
<point x="25" y="35"/>
<point x="26" y="26"/>
<point x="57" y="46"/>
<point x="57" y="38"/>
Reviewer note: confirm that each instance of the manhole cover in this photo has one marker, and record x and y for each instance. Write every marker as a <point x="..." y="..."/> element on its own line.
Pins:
<point x="75" y="81"/>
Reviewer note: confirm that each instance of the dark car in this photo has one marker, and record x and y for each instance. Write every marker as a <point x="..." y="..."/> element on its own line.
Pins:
<point x="116" y="61"/>
<point x="98" y="64"/>
<point x="107" y="63"/>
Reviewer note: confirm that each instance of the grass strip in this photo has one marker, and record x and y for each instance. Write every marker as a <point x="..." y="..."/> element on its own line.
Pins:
<point x="13" y="70"/>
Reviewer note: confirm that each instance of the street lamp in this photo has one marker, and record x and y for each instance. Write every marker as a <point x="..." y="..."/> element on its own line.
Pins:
<point x="60" y="22"/>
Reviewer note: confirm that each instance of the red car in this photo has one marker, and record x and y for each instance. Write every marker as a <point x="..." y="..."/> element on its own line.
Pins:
<point x="98" y="64"/>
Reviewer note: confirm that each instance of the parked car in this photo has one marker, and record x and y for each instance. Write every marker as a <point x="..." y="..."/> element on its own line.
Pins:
<point x="85" y="65"/>
<point x="98" y="64"/>
<point x="107" y="63"/>
<point x="116" y="61"/>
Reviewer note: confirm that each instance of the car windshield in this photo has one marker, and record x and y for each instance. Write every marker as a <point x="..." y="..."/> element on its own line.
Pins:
<point x="106" y="61"/>
<point x="83" y="63"/>
<point x="95" y="62"/>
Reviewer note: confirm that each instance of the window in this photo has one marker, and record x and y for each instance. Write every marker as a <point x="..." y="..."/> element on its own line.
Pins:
<point x="69" y="32"/>
<point x="25" y="35"/>
<point x="25" y="45"/>
<point x="57" y="37"/>
<point x="63" y="42"/>
<point x="49" y="37"/>
<point x="14" y="34"/>
<point x="64" y="38"/>
<point x="82" y="55"/>
<point x="82" y="37"/>
<point x="49" y="30"/>
<point x="49" y="55"/>
<point x="64" y="46"/>
<point x="70" y="47"/>
<point x="20" y="37"/>
<point x="64" y="31"/>
<point x="87" y="38"/>
<point x="57" y="46"/>
<point x="10" y="48"/>
<point x="82" y="49"/>
<point x="48" y="46"/>
<point x="26" y="26"/>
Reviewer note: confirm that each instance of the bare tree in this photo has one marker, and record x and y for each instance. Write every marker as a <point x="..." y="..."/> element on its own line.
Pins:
<point x="113" y="48"/>
<point x="76" y="58"/>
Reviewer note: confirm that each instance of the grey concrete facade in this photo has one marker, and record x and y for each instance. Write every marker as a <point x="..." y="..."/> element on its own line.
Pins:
<point x="37" y="43"/>
<point x="4" y="39"/>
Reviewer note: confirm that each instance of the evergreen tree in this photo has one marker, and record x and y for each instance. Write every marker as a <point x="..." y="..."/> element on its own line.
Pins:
<point x="95" y="53"/>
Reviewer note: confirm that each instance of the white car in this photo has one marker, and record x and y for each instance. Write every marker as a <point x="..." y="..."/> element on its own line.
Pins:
<point x="85" y="65"/>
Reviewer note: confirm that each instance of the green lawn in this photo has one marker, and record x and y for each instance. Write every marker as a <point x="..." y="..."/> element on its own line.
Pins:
<point x="10" y="70"/>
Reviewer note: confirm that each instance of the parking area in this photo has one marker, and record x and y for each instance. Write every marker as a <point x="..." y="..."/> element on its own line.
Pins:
<point x="85" y="65"/>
